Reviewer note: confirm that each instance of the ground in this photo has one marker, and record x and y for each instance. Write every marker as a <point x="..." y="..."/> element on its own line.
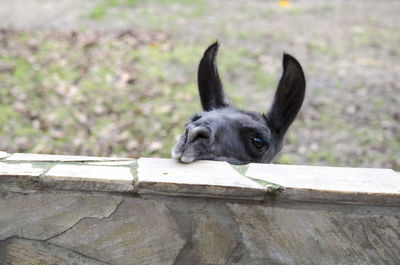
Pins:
<point x="118" y="77"/>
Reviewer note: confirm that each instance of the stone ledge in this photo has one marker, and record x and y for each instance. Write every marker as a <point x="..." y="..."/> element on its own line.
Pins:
<point x="22" y="170"/>
<point x="333" y="184"/>
<point x="200" y="179"/>
<point x="3" y="154"/>
<point x="88" y="177"/>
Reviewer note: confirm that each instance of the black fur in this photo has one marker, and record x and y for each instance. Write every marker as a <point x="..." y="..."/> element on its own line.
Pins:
<point x="225" y="133"/>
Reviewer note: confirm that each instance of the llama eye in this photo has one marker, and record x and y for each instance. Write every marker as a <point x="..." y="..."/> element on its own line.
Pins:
<point x="258" y="142"/>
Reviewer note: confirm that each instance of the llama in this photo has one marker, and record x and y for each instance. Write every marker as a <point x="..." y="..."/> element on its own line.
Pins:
<point x="224" y="133"/>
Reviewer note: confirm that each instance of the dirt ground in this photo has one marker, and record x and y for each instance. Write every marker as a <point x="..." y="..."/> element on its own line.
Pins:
<point x="118" y="77"/>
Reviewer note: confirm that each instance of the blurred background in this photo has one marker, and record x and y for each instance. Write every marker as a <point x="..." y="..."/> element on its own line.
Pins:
<point x="118" y="77"/>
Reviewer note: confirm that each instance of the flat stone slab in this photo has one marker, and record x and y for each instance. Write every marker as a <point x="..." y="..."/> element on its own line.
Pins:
<point x="43" y="215"/>
<point x="25" y="252"/>
<point x="60" y="158"/>
<point x="84" y="177"/>
<point x="111" y="163"/>
<point x="215" y="241"/>
<point x="319" y="233"/>
<point x="19" y="170"/>
<point x="333" y="183"/>
<point x="201" y="179"/>
<point x="3" y="154"/>
<point x="139" y="232"/>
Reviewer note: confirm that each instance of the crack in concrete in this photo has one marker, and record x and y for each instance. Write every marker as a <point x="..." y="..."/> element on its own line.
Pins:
<point x="83" y="219"/>
<point x="185" y="251"/>
<point x="6" y="242"/>
<point x="4" y="249"/>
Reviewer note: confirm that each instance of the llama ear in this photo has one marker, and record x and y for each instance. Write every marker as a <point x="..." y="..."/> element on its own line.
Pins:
<point x="211" y="92"/>
<point x="289" y="96"/>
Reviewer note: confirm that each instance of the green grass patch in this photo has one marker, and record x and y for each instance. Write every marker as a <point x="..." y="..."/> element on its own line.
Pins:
<point x="100" y="10"/>
<point x="323" y="48"/>
<point x="295" y="11"/>
<point x="265" y="80"/>
<point x="114" y="98"/>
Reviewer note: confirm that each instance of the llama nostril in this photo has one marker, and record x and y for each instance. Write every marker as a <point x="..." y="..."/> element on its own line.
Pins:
<point x="198" y="132"/>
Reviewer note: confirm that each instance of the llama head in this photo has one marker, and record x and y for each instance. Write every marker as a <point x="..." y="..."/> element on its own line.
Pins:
<point x="225" y="133"/>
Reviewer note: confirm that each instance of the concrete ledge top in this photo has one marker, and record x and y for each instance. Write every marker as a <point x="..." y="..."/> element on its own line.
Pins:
<point x="358" y="180"/>
<point x="22" y="172"/>
<point x="168" y="176"/>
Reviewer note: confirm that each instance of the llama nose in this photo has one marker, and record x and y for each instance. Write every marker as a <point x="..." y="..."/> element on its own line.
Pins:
<point x="198" y="132"/>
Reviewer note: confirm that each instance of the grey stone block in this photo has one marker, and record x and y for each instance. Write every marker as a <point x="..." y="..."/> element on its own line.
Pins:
<point x="19" y="177"/>
<point x="85" y="177"/>
<point x="29" y="252"/>
<point x="331" y="184"/>
<point x="44" y="215"/>
<point x="139" y="232"/>
<point x="111" y="163"/>
<point x="215" y="242"/>
<point x="23" y="170"/>
<point x="319" y="234"/>
<point x="201" y="178"/>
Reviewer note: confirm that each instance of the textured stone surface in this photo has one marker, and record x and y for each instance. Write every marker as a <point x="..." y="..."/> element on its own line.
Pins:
<point x="44" y="215"/>
<point x="139" y="232"/>
<point x="215" y="241"/>
<point x="111" y="163"/>
<point x="29" y="252"/>
<point x="331" y="184"/>
<point x="325" y="235"/>
<point x="201" y="178"/>
<point x="81" y="227"/>
<point x="84" y="177"/>
<point x="19" y="170"/>
<point x="43" y="158"/>
<point x="19" y="177"/>
<point x="368" y="180"/>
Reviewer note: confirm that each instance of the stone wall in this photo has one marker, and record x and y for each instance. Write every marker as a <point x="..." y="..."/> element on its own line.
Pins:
<point x="94" y="210"/>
